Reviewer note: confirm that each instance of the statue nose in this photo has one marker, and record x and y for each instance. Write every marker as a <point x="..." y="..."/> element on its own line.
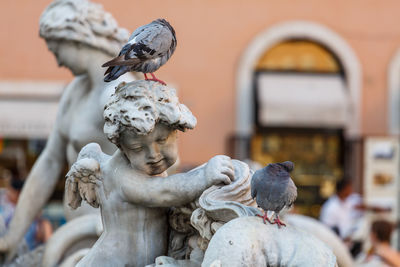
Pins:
<point x="154" y="151"/>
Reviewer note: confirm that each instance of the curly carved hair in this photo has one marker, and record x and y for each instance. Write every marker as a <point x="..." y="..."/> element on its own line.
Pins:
<point x="139" y="105"/>
<point x="83" y="22"/>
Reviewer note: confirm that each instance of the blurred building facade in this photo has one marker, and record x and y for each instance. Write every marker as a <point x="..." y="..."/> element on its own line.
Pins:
<point x="306" y="81"/>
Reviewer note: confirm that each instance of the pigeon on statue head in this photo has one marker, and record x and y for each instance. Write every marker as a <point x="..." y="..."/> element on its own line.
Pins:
<point x="149" y="47"/>
<point x="274" y="189"/>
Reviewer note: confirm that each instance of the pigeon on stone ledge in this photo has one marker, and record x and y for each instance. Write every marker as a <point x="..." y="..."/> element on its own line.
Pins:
<point x="274" y="189"/>
<point x="148" y="48"/>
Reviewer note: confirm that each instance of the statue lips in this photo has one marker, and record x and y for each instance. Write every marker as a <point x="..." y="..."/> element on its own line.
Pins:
<point x="156" y="167"/>
<point x="156" y="164"/>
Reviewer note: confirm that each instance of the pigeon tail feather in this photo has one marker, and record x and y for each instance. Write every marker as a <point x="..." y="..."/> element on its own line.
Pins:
<point x="112" y="62"/>
<point x="121" y="61"/>
<point x="115" y="72"/>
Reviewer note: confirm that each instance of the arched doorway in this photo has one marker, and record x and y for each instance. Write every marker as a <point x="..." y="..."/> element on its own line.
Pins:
<point x="281" y="74"/>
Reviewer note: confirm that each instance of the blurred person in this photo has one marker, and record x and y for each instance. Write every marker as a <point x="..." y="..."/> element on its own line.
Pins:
<point x="82" y="36"/>
<point x="39" y="231"/>
<point x="381" y="254"/>
<point x="344" y="214"/>
<point x="340" y="212"/>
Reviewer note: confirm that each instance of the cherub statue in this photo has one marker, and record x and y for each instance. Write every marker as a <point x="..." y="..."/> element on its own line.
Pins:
<point x="131" y="186"/>
<point x="228" y="232"/>
<point x="82" y="36"/>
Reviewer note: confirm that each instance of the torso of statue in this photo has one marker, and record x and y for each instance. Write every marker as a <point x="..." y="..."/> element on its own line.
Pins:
<point x="80" y="121"/>
<point x="133" y="234"/>
<point x="82" y="117"/>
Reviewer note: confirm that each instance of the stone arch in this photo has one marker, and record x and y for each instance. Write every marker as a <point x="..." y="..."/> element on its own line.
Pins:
<point x="394" y="94"/>
<point x="301" y="30"/>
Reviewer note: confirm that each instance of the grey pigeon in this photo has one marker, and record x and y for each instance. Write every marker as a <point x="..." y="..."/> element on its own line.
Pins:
<point x="148" y="48"/>
<point x="274" y="189"/>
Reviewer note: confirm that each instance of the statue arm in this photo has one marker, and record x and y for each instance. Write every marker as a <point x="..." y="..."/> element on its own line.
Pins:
<point x="38" y="188"/>
<point x="174" y="190"/>
<point x="177" y="189"/>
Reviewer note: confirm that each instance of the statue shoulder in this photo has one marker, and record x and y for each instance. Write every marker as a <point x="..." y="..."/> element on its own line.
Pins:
<point x="72" y="93"/>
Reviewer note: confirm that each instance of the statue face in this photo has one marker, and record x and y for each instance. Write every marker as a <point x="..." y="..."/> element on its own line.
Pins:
<point x="68" y="54"/>
<point x="153" y="153"/>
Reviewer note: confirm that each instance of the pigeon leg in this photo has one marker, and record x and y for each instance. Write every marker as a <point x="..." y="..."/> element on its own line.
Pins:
<point x="265" y="217"/>
<point x="278" y="221"/>
<point x="145" y="76"/>
<point x="155" y="79"/>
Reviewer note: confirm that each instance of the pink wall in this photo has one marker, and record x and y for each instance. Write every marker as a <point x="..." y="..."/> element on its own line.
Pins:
<point x="211" y="37"/>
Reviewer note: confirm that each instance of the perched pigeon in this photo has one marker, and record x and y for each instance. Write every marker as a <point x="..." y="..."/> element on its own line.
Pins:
<point x="148" y="48"/>
<point x="274" y="189"/>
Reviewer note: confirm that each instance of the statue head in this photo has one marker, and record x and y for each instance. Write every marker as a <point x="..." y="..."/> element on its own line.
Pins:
<point x="142" y="119"/>
<point x="82" y="22"/>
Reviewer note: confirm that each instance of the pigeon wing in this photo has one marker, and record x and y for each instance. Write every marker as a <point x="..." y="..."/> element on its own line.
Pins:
<point x="147" y="42"/>
<point x="154" y="41"/>
<point x="291" y="193"/>
<point x="139" y="34"/>
<point x="162" y="41"/>
<point x="254" y="184"/>
<point x="271" y="195"/>
<point x="120" y="61"/>
<point x="282" y="194"/>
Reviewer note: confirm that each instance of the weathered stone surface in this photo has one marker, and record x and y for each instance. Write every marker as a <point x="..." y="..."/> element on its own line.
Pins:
<point x="82" y="36"/>
<point x="84" y="22"/>
<point x="247" y="241"/>
<point x="323" y="233"/>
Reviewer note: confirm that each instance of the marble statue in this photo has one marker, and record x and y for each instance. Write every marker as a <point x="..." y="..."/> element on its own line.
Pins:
<point x="325" y="234"/>
<point x="227" y="233"/>
<point x="205" y="217"/>
<point x="131" y="186"/>
<point x="82" y="36"/>
<point x="247" y="241"/>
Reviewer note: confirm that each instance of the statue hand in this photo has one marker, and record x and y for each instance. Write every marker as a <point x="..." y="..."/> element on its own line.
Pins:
<point x="219" y="169"/>
<point x="3" y="245"/>
<point x="6" y="248"/>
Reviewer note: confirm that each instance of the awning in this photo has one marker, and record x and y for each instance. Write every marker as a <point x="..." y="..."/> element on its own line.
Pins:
<point x="28" y="109"/>
<point x="302" y="100"/>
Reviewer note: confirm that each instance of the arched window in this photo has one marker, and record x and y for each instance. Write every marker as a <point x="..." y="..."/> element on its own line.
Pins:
<point x="294" y="79"/>
<point x="301" y="111"/>
<point x="299" y="56"/>
<point x="303" y="107"/>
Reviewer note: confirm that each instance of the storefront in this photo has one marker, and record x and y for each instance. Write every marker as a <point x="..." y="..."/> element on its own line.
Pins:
<point x="302" y="86"/>
<point x="27" y="115"/>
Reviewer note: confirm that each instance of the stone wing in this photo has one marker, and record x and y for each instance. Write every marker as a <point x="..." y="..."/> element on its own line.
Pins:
<point x="82" y="183"/>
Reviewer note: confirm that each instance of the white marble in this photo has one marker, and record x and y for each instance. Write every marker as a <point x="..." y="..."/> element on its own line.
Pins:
<point x="247" y="241"/>
<point x="82" y="36"/>
<point x="83" y="22"/>
<point x="325" y="234"/>
<point x="131" y="186"/>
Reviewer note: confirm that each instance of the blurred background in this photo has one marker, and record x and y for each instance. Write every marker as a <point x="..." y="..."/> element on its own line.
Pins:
<point x="314" y="82"/>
